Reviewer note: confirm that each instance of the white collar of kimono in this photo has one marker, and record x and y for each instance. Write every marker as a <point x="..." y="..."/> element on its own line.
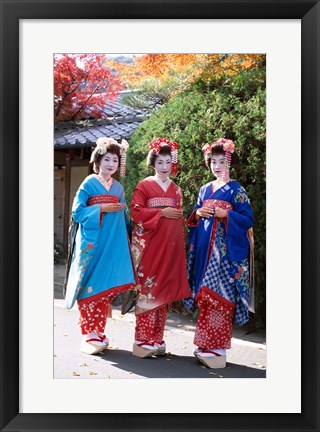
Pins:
<point x="162" y="184"/>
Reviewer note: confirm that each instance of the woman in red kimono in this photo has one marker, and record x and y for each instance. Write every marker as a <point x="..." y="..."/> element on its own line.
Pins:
<point x="158" y="248"/>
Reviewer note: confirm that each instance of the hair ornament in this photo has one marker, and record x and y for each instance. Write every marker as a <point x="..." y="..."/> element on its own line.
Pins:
<point x="156" y="145"/>
<point x="123" y="152"/>
<point x="102" y="144"/>
<point x="228" y="145"/>
<point x="207" y="149"/>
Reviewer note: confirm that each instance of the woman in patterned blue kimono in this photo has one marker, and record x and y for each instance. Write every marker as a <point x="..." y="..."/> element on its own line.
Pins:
<point x="101" y="266"/>
<point x="219" y="258"/>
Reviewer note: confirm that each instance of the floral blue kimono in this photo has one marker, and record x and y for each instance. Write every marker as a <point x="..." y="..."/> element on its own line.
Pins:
<point x="101" y="259"/>
<point x="219" y="257"/>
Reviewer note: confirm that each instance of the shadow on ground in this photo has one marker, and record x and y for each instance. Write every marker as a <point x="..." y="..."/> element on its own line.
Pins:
<point x="172" y="366"/>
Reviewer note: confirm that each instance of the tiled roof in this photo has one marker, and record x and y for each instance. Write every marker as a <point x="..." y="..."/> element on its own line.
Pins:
<point x="121" y="123"/>
<point x="86" y="133"/>
<point x="116" y="109"/>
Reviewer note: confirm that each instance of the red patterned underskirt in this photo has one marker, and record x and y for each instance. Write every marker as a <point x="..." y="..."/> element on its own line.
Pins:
<point x="161" y="202"/>
<point x="102" y="199"/>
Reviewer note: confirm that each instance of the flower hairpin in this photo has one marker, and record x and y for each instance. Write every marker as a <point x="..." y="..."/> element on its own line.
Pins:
<point x="102" y="144"/>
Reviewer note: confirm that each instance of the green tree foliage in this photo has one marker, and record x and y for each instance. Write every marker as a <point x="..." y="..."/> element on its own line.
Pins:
<point x="154" y="93"/>
<point x="230" y="107"/>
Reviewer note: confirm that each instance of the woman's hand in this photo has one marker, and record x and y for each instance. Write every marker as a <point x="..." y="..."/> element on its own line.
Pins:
<point x="204" y="212"/>
<point x="112" y="207"/>
<point x="171" y="213"/>
<point x="220" y="213"/>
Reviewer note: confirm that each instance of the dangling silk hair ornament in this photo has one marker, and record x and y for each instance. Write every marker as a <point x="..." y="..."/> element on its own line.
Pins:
<point x="124" y="148"/>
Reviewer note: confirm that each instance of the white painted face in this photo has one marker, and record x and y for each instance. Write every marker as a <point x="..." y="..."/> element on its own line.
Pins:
<point x="163" y="166"/>
<point x="109" y="164"/>
<point x="218" y="165"/>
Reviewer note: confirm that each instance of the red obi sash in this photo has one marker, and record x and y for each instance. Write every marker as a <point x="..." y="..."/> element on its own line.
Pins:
<point x="102" y="199"/>
<point x="212" y="203"/>
<point x="162" y="202"/>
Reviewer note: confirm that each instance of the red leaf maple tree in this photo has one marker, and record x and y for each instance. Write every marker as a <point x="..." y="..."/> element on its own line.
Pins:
<point x="82" y="86"/>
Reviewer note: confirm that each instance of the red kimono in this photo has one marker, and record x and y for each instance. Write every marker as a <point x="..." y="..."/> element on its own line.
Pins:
<point x="158" y="247"/>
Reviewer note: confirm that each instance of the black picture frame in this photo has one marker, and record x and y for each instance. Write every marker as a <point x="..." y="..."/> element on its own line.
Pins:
<point x="11" y="12"/>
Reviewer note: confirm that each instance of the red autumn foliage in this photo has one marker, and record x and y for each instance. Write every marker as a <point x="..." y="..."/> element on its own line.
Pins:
<point x="82" y="86"/>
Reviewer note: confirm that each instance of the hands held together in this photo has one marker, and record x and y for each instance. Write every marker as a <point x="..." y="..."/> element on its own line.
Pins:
<point x="206" y="212"/>
<point x="167" y="212"/>
<point x="112" y="207"/>
<point x="171" y="213"/>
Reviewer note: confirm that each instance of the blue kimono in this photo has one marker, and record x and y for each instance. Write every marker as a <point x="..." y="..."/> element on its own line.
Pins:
<point x="220" y="248"/>
<point x="101" y="259"/>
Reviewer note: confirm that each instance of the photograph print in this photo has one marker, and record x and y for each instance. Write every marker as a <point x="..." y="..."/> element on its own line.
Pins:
<point x="159" y="215"/>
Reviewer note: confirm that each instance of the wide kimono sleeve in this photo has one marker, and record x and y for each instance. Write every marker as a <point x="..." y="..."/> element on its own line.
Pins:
<point x="122" y="200"/>
<point x="191" y="222"/>
<point x="240" y="219"/>
<point x="87" y="216"/>
<point x="143" y="216"/>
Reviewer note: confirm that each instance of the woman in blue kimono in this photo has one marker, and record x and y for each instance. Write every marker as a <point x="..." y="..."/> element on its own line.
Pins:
<point x="219" y="258"/>
<point x="101" y="266"/>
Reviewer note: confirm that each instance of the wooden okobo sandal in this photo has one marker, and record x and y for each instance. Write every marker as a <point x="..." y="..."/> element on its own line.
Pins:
<point x="161" y="349"/>
<point x="105" y="341"/>
<point x="90" y="347"/>
<point x="141" y="352"/>
<point x="211" y="358"/>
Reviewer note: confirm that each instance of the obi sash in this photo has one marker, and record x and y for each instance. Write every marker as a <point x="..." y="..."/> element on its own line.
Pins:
<point x="213" y="203"/>
<point x="102" y="199"/>
<point x="161" y="202"/>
